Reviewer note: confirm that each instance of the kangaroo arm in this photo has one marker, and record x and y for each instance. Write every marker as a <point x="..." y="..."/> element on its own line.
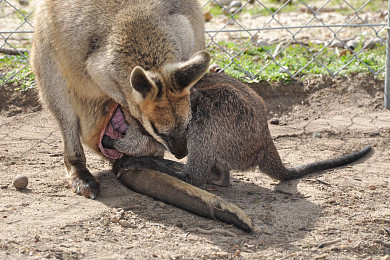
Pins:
<point x="172" y="168"/>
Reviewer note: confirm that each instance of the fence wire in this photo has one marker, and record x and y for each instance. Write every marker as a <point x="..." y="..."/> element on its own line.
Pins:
<point x="236" y="29"/>
<point x="345" y="27"/>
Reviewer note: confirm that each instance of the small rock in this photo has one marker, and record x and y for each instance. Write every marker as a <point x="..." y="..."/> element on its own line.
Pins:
<point x="237" y="4"/>
<point x="20" y="182"/>
<point x="233" y="9"/>
<point x="283" y="69"/>
<point x="352" y="44"/>
<point x="373" y="134"/>
<point x="180" y="224"/>
<point x="317" y="135"/>
<point x="162" y="205"/>
<point x="332" y="201"/>
<point x="274" y="121"/>
<point x="237" y="253"/>
<point x="336" y="43"/>
<point x="125" y="223"/>
<point x="36" y="238"/>
<point x="262" y="42"/>
<point x="116" y="218"/>
<point x="207" y="16"/>
<point x="317" y="42"/>
<point x="374" y="42"/>
<point x="386" y="257"/>
<point x="215" y="68"/>
<point x="225" y="2"/>
<point x="3" y="187"/>
<point x="23" y="2"/>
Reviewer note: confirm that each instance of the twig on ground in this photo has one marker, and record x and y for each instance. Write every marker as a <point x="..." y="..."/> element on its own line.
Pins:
<point x="385" y="244"/>
<point x="381" y="220"/>
<point x="276" y="52"/>
<point x="321" y="245"/>
<point x="285" y="192"/>
<point x="323" y="182"/>
<point x="13" y="51"/>
<point x="212" y="231"/>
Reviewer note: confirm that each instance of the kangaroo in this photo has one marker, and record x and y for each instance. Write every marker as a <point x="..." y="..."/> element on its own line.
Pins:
<point x="228" y="131"/>
<point x="94" y="59"/>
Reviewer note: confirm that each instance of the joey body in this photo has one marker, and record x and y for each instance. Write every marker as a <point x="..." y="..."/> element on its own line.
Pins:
<point x="229" y="131"/>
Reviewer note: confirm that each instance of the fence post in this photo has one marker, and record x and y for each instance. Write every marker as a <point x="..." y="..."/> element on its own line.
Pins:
<point x="387" y="76"/>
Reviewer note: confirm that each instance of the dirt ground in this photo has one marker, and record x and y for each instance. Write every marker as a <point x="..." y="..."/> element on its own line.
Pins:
<point x="338" y="214"/>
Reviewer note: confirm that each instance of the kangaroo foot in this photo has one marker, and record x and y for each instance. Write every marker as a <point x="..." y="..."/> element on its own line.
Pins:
<point x="81" y="181"/>
<point x="85" y="185"/>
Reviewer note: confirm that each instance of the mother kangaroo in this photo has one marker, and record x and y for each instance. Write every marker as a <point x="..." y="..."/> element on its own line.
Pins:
<point x="91" y="56"/>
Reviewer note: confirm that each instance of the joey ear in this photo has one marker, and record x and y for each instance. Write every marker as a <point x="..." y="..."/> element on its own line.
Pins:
<point x="191" y="71"/>
<point x="140" y="81"/>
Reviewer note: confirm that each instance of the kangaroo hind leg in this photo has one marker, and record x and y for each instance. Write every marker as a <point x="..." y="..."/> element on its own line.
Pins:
<point x="57" y="97"/>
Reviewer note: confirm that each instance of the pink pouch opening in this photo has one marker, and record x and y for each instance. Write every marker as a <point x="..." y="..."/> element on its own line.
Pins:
<point x="116" y="129"/>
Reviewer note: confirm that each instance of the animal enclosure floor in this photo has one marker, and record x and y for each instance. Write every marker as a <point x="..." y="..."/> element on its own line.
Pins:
<point x="338" y="214"/>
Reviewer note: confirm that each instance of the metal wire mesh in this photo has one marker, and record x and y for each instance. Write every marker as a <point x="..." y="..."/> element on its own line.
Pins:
<point x="272" y="27"/>
<point x="15" y="35"/>
<point x="356" y="29"/>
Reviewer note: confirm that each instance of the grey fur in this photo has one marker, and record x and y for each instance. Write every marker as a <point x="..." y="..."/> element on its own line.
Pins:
<point x="229" y="131"/>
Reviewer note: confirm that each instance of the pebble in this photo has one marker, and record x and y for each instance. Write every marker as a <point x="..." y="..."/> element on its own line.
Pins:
<point x="23" y="2"/>
<point x="283" y="69"/>
<point x="317" y="135"/>
<point x="337" y="43"/>
<point x="233" y="9"/>
<point x="20" y="182"/>
<point x="373" y="134"/>
<point x="386" y="257"/>
<point x="162" y="205"/>
<point x="262" y="42"/>
<point x="125" y="223"/>
<point x="116" y="218"/>
<point x="237" y="4"/>
<point x="316" y="42"/>
<point x="352" y="44"/>
<point x="225" y="2"/>
<point x="215" y="68"/>
<point x="274" y="121"/>
<point x="374" y="42"/>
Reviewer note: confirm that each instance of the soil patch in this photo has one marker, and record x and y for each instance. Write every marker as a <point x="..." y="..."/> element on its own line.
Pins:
<point x="338" y="214"/>
<point x="14" y="101"/>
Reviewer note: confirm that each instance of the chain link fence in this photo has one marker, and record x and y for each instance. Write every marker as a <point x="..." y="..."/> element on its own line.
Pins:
<point x="254" y="39"/>
<point x="15" y="38"/>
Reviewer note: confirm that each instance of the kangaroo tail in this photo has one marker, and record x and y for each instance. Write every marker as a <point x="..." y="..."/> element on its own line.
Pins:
<point x="173" y="191"/>
<point x="302" y="170"/>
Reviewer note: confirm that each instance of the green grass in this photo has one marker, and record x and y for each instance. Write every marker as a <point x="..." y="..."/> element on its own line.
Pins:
<point x="253" y="60"/>
<point x="296" y="6"/>
<point x="17" y="65"/>
<point x="294" y="57"/>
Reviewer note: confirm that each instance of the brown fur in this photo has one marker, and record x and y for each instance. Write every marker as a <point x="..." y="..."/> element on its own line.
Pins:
<point x="183" y="195"/>
<point x="229" y="131"/>
<point x="88" y="54"/>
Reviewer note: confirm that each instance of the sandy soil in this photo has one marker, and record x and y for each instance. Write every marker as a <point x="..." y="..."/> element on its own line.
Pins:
<point x="348" y="207"/>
